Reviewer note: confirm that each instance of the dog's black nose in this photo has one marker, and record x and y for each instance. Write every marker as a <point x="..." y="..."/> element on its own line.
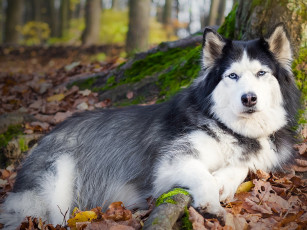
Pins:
<point x="249" y="99"/>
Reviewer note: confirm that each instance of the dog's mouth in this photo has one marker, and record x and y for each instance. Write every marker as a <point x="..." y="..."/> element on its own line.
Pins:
<point x="250" y="111"/>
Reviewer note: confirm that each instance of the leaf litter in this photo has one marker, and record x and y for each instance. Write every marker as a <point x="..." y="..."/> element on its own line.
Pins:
<point x="264" y="201"/>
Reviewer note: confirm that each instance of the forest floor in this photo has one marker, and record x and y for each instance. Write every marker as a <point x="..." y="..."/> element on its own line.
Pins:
<point x="34" y="97"/>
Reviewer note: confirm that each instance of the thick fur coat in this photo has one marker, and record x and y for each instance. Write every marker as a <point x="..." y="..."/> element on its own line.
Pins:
<point x="237" y="116"/>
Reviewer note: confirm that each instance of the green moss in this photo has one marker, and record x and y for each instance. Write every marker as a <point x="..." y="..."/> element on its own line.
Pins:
<point x="186" y="223"/>
<point x="256" y="3"/>
<point x="12" y="131"/>
<point x="22" y="144"/>
<point x="110" y="82"/>
<point x="136" y="101"/>
<point x="155" y="221"/>
<point x="85" y="84"/>
<point x="299" y="68"/>
<point x="167" y="197"/>
<point x="181" y="73"/>
<point x="175" y="69"/>
<point x="228" y="27"/>
<point x="155" y="63"/>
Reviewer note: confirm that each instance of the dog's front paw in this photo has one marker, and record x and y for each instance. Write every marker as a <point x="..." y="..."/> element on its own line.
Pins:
<point x="227" y="192"/>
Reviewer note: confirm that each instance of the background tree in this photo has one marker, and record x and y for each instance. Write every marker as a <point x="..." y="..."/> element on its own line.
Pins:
<point x="53" y="18"/>
<point x="14" y="14"/>
<point x="167" y="17"/>
<point x="138" y="29"/>
<point x="221" y="10"/>
<point x="90" y="35"/>
<point x="167" y="12"/>
<point x="64" y="17"/>
<point x="213" y="14"/>
<point x="115" y="4"/>
<point x="1" y="20"/>
<point x="249" y="20"/>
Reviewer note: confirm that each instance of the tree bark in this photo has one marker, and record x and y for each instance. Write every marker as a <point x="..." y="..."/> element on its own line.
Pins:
<point x="137" y="36"/>
<point x="253" y="20"/>
<point x="64" y="17"/>
<point x="53" y="18"/>
<point x="212" y="19"/>
<point x="1" y="21"/>
<point x="167" y="17"/>
<point x="221" y="12"/>
<point x="37" y="6"/>
<point x="14" y="13"/>
<point x="115" y="4"/>
<point x="165" y="215"/>
<point x="90" y="35"/>
<point x="167" y="12"/>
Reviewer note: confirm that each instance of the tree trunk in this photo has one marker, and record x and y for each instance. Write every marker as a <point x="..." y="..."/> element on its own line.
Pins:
<point x="90" y="35"/>
<point x="37" y="6"/>
<point x="167" y="12"/>
<point x="14" y="13"/>
<point x="115" y="4"/>
<point x="1" y="21"/>
<point x="167" y="17"/>
<point x="221" y="12"/>
<point x="253" y="20"/>
<point x="137" y="36"/>
<point x="64" y="17"/>
<point x="53" y="18"/>
<point x="213" y="13"/>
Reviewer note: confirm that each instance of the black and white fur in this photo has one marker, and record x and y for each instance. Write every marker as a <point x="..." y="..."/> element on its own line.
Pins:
<point x="237" y="116"/>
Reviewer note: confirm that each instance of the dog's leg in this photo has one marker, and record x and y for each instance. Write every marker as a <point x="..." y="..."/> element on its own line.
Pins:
<point x="228" y="180"/>
<point x="191" y="173"/>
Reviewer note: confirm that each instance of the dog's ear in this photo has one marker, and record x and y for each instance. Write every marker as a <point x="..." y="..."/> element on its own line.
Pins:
<point x="213" y="45"/>
<point x="279" y="45"/>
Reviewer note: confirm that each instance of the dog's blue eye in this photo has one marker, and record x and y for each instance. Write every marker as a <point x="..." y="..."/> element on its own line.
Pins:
<point x="261" y="73"/>
<point x="233" y="76"/>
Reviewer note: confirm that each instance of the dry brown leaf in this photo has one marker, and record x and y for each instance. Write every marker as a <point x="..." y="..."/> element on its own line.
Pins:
<point x="61" y="116"/>
<point x="236" y="222"/>
<point x="253" y="207"/>
<point x="301" y="162"/>
<point x="5" y="174"/>
<point x="117" y="212"/>
<point x="129" y="94"/>
<point x="299" y="169"/>
<point x="262" y="175"/>
<point x="261" y="224"/>
<point x="196" y="219"/>
<point x="43" y="125"/>
<point x="302" y="148"/>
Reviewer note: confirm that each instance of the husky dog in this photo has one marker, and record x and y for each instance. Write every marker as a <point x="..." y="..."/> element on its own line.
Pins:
<point x="237" y="116"/>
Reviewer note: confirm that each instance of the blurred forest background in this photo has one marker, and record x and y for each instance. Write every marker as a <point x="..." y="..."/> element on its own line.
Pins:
<point x="97" y="22"/>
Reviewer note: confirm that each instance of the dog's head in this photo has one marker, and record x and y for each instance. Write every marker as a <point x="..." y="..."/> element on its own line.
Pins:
<point x="250" y="82"/>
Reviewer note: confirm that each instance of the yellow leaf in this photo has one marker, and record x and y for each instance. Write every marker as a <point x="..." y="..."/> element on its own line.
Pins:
<point x="81" y="217"/>
<point x="57" y="97"/>
<point x="245" y="187"/>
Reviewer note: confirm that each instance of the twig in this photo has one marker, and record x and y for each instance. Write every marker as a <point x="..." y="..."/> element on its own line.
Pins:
<point x="64" y="216"/>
